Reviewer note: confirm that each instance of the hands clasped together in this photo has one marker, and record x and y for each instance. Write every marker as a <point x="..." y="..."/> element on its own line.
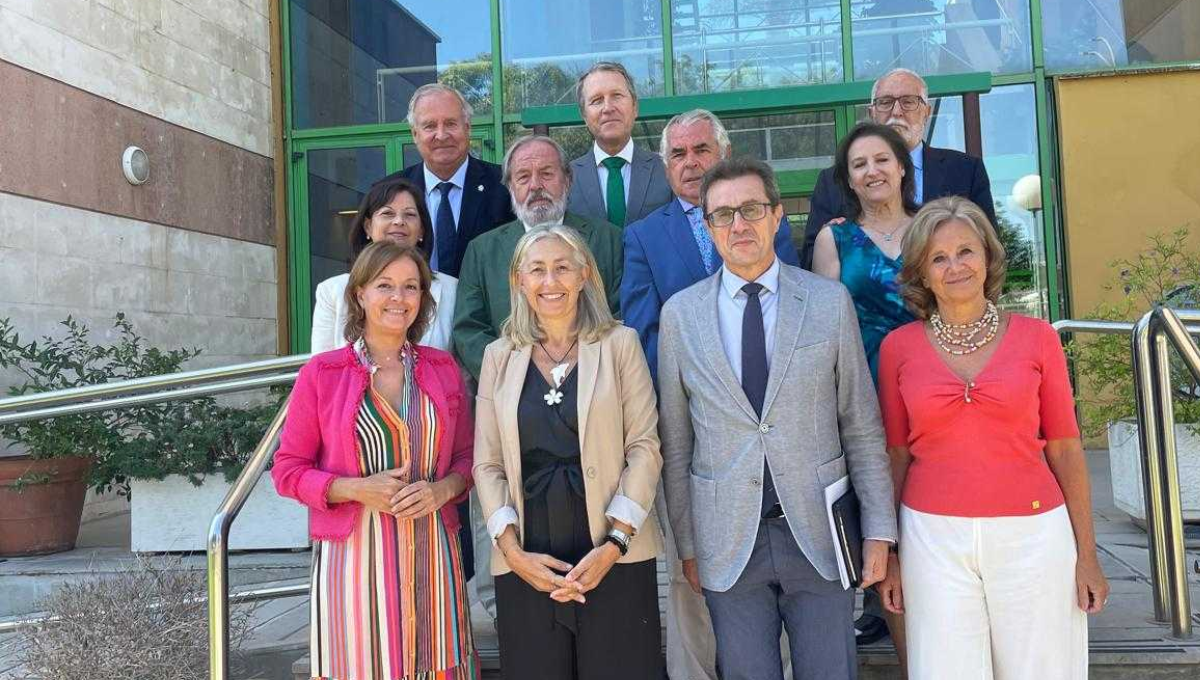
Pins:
<point x="564" y="582"/>
<point x="389" y="492"/>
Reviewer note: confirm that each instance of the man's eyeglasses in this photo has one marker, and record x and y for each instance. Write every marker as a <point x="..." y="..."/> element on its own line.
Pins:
<point x="908" y="102"/>
<point x="750" y="212"/>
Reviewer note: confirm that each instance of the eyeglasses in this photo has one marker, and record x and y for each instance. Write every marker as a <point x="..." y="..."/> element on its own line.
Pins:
<point x="908" y="102"/>
<point x="388" y="215"/>
<point x="750" y="212"/>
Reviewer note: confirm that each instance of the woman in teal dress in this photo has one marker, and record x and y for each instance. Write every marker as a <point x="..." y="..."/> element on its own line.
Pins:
<point x="875" y="171"/>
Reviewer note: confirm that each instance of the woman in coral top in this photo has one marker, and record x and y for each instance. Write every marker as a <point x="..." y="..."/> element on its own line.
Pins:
<point x="378" y="444"/>
<point x="997" y="566"/>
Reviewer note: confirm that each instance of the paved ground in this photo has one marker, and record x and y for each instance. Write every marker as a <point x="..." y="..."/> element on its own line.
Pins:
<point x="1124" y="642"/>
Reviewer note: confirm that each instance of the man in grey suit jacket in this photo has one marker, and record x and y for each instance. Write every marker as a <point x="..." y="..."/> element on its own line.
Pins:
<point x="615" y="181"/>
<point x="765" y="398"/>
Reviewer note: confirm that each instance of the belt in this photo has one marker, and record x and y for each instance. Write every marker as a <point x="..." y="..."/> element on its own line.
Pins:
<point x="775" y="512"/>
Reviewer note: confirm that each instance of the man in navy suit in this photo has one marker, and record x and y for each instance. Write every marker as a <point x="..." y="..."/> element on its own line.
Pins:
<point x="464" y="194"/>
<point x="901" y="99"/>
<point x="667" y="251"/>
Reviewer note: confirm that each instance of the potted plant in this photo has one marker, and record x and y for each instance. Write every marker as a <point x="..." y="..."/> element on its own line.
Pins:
<point x="1166" y="272"/>
<point x="42" y="490"/>
<point x="179" y="476"/>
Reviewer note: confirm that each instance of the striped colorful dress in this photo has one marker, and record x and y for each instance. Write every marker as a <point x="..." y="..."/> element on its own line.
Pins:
<point x="389" y="602"/>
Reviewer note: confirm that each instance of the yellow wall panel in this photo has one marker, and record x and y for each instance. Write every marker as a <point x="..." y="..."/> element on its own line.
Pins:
<point x="1130" y="152"/>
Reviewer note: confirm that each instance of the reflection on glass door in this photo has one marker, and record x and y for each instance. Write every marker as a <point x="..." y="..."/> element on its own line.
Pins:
<point x="338" y="179"/>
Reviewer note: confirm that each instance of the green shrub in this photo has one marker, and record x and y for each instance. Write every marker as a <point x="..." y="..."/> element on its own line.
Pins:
<point x="192" y="437"/>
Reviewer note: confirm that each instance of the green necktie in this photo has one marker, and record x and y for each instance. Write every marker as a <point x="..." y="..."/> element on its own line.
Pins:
<point x="615" y="197"/>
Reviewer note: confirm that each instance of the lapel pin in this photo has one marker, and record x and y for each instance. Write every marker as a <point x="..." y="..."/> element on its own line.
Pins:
<point x="479" y="188"/>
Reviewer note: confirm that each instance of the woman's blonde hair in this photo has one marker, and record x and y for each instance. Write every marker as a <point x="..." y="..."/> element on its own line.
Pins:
<point x="917" y="294"/>
<point x="593" y="320"/>
<point x="369" y="264"/>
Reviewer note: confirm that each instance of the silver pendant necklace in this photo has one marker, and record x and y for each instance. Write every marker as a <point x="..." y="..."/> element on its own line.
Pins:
<point x="558" y="373"/>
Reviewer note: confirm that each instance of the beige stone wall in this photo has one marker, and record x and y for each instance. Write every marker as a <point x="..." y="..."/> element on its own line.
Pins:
<point x="179" y="288"/>
<point x="200" y="64"/>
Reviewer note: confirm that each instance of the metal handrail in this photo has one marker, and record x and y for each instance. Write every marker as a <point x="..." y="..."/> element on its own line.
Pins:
<point x="138" y="391"/>
<point x="1158" y="329"/>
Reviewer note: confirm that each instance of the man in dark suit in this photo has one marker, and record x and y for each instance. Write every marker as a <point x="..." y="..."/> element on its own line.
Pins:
<point x="464" y="194"/>
<point x="538" y="176"/>
<point x="665" y="252"/>
<point x="615" y="181"/>
<point x="901" y="99"/>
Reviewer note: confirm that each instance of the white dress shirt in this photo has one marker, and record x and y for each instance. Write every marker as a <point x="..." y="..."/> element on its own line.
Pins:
<point x="731" y="306"/>
<point x="626" y="170"/>
<point x="433" y="199"/>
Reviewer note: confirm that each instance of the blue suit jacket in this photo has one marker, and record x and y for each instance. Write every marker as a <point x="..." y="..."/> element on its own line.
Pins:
<point x="661" y="259"/>
<point x="947" y="173"/>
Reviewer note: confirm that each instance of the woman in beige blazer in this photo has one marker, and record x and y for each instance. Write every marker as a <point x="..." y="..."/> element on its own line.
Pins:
<point x="566" y="465"/>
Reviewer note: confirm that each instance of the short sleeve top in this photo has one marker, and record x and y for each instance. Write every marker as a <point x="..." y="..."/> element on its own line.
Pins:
<point x="978" y="447"/>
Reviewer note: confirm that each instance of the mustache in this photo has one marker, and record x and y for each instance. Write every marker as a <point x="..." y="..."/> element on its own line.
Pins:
<point x="537" y="195"/>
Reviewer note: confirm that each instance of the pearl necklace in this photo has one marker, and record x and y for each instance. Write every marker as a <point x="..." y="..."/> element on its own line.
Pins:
<point x="959" y="339"/>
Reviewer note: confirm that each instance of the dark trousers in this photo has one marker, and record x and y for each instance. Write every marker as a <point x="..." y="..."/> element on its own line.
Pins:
<point x="616" y="635"/>
<point x="780" y="588"/>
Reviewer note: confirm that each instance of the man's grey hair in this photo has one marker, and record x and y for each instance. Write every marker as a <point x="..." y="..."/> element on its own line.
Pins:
<point x="610" y="67"/>
<point x="901" y="72"/>
<point x="438" y="88"/>
<point x="694" y="116"/>
<point x="521" y="142"/>
<point x="735" y="168"/>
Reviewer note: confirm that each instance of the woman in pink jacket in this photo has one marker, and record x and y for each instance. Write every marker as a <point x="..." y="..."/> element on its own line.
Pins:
<point x="378" y="444"/>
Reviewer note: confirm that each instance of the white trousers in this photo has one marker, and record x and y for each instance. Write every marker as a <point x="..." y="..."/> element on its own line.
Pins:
<point x="991" y="598"/>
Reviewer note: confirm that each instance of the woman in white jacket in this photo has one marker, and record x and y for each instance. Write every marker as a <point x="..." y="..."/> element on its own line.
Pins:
<point x="394" y="210"/>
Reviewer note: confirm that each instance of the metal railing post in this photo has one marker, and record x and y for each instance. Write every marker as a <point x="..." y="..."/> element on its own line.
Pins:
<point x="1144" y="374"/>
<point x="1167" y="326"/>
<point x="218" y="548"/>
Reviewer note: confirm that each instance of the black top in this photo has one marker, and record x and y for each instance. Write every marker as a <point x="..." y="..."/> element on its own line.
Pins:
<point x="555" y="506"/>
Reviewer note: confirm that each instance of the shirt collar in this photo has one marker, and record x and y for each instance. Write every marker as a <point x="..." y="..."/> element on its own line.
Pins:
<point x="458" y="179"/>
<point x="559" y="223"/>
<point x="626" y="152"/>
<point x="683" y="203"/>
<point x="918" y="156"/>
<point x="732" y="283"/>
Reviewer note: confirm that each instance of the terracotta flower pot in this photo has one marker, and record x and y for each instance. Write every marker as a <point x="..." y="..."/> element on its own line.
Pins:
<point x="41" y="502"/>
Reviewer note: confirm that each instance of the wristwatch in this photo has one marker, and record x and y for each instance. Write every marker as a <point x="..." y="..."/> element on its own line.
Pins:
<point x="618" y="538"/>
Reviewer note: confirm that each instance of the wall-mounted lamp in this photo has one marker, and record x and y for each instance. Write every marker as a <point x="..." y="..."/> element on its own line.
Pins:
<point x="136" y="165"/>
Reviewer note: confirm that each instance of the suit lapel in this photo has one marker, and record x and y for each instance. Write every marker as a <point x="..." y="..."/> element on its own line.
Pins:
<point x="681" y="237"/>
<point x="788" y="321"/>
<point x="588" y="174"/>
<point x="509" y="397"/>
<point x="471" y="198"/>
<point x="932" y="174"/>
<point x="585" y="382"/>
<point x="639" y="182"/>
<point x="709" y="330"/>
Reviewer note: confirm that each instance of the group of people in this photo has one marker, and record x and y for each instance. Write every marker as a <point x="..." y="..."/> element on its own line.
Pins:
<point x="653" y="372"/>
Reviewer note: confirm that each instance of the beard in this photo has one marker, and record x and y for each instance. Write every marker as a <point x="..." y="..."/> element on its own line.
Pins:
<point x="543" y="214"/>
<point x="912" y="134"/>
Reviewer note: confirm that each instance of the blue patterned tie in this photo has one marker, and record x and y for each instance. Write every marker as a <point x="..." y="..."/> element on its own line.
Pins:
<point x="703" y="240"/>
<point x="444" y="231"/>
<point x="755" y="373"/>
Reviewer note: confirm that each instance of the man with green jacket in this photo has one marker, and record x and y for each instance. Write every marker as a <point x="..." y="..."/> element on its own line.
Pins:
<point x="539" y="177"/>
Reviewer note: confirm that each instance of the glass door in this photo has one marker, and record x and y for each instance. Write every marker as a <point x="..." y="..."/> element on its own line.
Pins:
<point x="329" y="179"/>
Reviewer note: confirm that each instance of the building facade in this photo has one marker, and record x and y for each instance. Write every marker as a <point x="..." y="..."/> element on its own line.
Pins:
<point x="265" y="121"/>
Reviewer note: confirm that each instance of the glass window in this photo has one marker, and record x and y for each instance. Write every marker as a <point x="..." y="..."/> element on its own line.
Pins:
<point x="338" y="179"/>
<point x="1010" y="152"/>
<point x="549" y="43"/>
<point x="721" y="45"/>
<point x="793" y="141"/>
<point x="940" y="37"/>
<point x="358" y="61"/>
<point x="1104" y="34"/>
